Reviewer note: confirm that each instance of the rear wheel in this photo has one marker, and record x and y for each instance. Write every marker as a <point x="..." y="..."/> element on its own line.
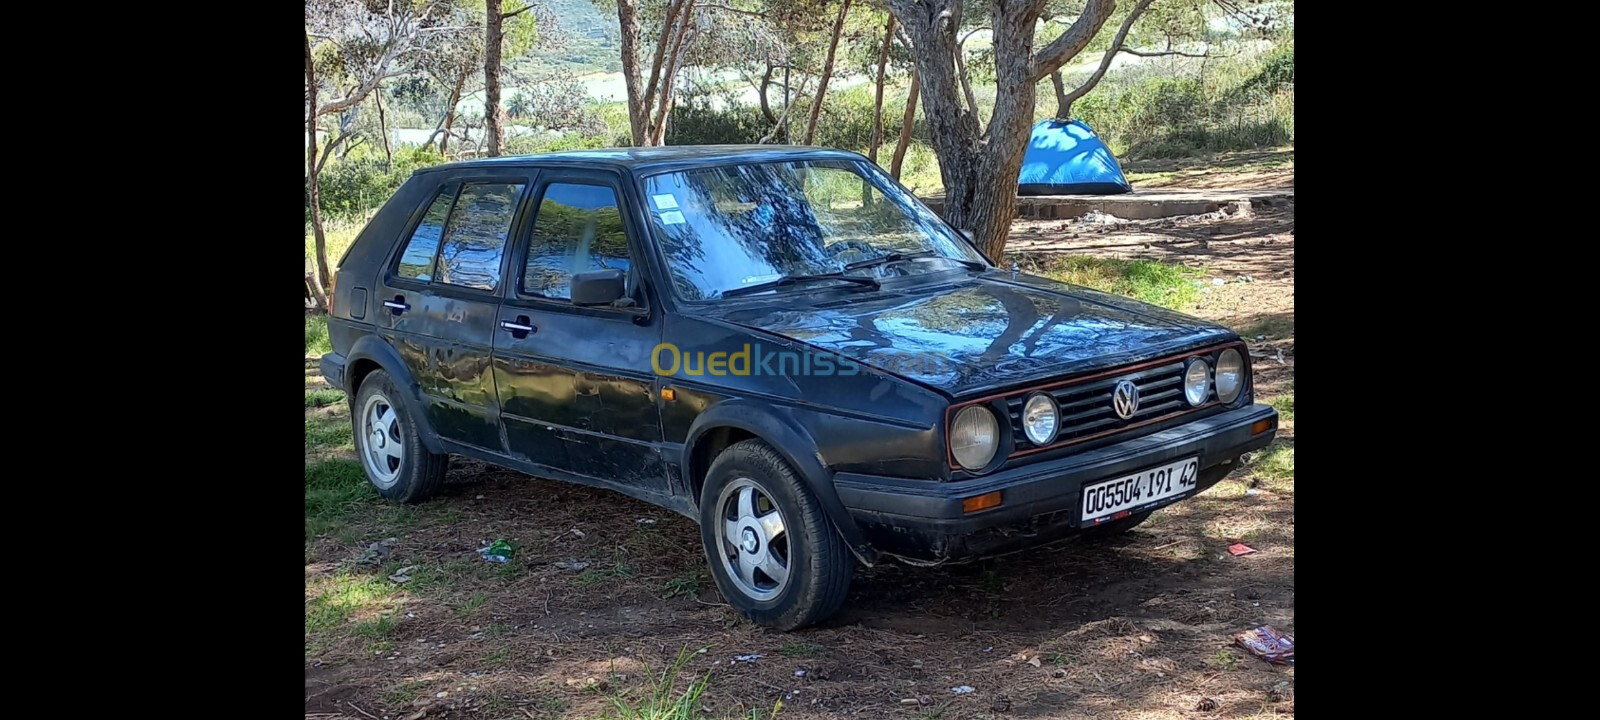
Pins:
<point x="392" y="453"/>
<point x="773" y="552"/>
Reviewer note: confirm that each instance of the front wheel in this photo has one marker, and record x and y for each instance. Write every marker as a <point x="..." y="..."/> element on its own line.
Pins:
<point x="773" y="552"/>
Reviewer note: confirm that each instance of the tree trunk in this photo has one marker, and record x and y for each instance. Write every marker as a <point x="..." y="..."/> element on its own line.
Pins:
<point x="450" y="114"/>
<point x="628" y="20"/>
<point x="311" y="171"/>
<point x="979" y="166"/>
<point x="383" y="129"/>
<point x="674" y="60"/>
<point x="905" y="126"/>
<point x="877" y="104"/>
<point x="493" y="116"/>
<point x="827" y="71"/>
<point x="766" y="107"/>
<point x="1063" y="105"/>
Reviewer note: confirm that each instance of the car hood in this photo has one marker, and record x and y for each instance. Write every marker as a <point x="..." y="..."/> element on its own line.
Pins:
<point x="981" y="333"/>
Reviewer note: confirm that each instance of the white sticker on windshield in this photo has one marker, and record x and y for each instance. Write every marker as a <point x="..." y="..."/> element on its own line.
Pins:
<point x="665" y="202"/>
<point x="672" y="217"/>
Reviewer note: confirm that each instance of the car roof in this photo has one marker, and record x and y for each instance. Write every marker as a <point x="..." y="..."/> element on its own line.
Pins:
<point x="655" y="159"/>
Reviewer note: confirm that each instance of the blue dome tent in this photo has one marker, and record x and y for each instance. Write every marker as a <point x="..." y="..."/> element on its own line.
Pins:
<point x="1067" y="158"/>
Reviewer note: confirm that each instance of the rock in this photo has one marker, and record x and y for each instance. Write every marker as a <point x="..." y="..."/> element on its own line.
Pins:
<point x="573" y="566"/>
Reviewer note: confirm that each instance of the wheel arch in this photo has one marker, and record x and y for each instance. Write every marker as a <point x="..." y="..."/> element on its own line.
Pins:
<point x="734" y="421"/>
<point x="370" y="353"/>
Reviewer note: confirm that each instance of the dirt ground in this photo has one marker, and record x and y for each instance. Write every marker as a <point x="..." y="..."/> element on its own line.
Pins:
<point x="1136" y="628"/>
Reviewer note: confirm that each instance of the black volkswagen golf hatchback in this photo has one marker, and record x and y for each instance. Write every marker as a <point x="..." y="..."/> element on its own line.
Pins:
<point x="781" y="343"/>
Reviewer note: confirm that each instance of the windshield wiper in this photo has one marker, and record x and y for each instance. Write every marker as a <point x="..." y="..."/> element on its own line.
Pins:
<point x="795" y="279"/>
<point x="898" y="256"/>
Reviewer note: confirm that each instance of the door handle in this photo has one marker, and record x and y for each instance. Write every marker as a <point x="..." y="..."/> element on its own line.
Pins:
<point x="520" y="328"/>
<point x="397" y="305"/>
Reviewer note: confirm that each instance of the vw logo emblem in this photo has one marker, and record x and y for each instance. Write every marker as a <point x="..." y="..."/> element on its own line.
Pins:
<point x="1125" y="399"/>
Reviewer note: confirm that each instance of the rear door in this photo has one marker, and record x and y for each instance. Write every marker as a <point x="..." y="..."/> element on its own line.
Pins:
<point x="439" y="296"/>
<point x="576" y="387"/>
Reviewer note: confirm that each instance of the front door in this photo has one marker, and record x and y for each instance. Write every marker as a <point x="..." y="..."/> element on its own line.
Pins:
<point x="439" y="298"/>
<point x="575" y="383"/>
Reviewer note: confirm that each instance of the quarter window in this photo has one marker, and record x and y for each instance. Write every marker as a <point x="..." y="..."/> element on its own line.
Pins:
<point x="416" y="263"/>
<point x="475" y="236"/>
<point x="578" y="229"/>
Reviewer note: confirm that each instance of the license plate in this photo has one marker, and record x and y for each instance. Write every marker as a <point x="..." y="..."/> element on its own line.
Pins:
<point x="1139" y="491"/>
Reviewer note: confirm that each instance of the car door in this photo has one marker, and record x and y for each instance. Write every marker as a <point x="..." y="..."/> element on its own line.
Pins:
<point x="575" y="383"/>
<point x="439" y="298"/>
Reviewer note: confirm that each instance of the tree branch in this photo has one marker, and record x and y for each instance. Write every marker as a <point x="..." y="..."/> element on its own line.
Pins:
<point x="1052" y="56"/>
<point x="1105" y="61"/>
<point x="1164" y="53"/>
<point x="514" y="13"/>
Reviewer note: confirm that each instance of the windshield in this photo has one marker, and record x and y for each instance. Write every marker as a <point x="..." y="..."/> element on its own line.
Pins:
<point x="727" y="227"/>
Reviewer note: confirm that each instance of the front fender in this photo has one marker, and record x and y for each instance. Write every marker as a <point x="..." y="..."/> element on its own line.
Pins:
<point x="777" y="426"/>
<point x="375" y="349"/>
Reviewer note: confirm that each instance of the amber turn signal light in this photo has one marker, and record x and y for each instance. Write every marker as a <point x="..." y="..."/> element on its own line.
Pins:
<point x="1261" y="426"/>
<point x="981" y="502"/>
<point x="668" y="394"/>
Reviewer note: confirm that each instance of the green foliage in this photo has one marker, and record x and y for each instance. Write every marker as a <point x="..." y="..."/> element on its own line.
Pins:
<point x="317" y="335"/>
<point x="1238" y="104"/>
<point x="1149" y="281"/>
<point x="662" y="700"/>
<point x="354" y="187"/>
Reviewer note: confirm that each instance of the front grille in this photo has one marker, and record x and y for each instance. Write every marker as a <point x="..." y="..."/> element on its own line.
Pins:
<point x="1086" y="408"/>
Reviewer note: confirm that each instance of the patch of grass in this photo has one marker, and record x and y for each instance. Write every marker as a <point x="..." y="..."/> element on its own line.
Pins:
<point x="404" y="693"/>
<point x="470" y="606"/>
<point x="498" y="657"/>
<point x="328" y="431"/>
<point x="1270" y="326"/>
<point x="1171" y="286"/>
<point x="801" y="649"/>
<point x="684" y="585"/>
<point x="1276" y="463"/>
<point x="334" y="600"/>
<point x="377" y="628"/>
<point x="323" y="398"/>
<point x="662" y="700"/>
<point x="620" y="570"/>
<point x="1227" y="660"/>
<point x="317" y="343"/>
<point x="333" y="489"/>
<point x="1284" y="404"/>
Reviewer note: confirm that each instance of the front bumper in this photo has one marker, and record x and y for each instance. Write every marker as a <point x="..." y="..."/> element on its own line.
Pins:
<point x="923" y="521"/>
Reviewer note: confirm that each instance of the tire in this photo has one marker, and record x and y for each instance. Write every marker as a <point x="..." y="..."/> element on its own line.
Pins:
<point x="400" y="468"/>
<point x="738" y="538"/>
<point x="1116" y="527"/>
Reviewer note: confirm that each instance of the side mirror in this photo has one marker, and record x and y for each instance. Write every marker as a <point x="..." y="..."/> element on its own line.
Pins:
<point x="598" y="287"/>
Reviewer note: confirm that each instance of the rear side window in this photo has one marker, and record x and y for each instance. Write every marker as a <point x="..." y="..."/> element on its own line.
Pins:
<point x="578" y="229"/>
<point x="475" y="236"/>
<point x="416" y="263"/>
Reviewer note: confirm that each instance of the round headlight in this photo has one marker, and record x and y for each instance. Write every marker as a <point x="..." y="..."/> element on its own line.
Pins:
<point x="1041" y="419"/>
<point x="974" y="437"/>
<point x="1230" y="375"/>
<point x="1197" y="382"/>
